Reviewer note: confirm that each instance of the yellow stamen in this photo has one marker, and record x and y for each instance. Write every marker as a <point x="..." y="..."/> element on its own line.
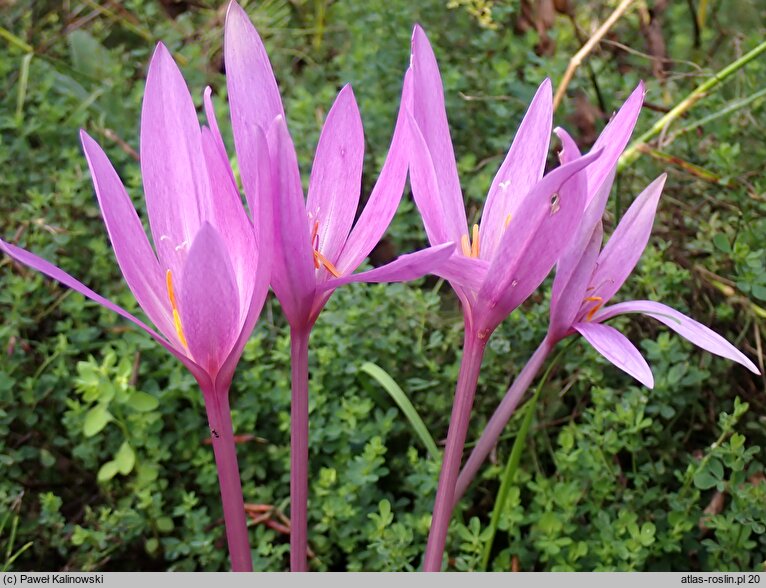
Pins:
<point x="594" y="310"/>
<point x="465" y="244"/>
<point x="470" y="249"/>
<point x="319" y="259"/>
<point x="174" y="306"/>
<point x="322" y="260"/>
<point x="507" y="221"/>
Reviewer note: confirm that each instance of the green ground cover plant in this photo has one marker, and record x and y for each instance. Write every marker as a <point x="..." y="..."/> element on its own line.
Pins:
<point x="103" y="439"/>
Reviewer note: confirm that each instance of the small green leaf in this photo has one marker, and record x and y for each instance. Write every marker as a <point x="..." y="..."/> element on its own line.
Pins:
<point x="96" y="419"/>
<point x="142" y="402"/>
<point x="151" y="546"/>
<point x="107" y="471"/>
<point x="125" y="459"/>
<point x="165" y="524"/>
<point x="721" y="242"/>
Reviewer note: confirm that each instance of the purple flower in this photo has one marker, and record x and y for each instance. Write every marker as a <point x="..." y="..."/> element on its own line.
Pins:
<point x="204" y="282"/>
<point x="317" y="246"/>
<point x="588" y="278"/>
<point x="528" y="218"/>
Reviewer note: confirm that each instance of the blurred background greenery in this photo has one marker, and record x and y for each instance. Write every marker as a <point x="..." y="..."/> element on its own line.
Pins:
<point x="103" y="448"/>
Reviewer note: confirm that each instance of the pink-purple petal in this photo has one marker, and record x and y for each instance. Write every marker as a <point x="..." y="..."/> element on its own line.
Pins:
<point x="521" y="170"/>
<point x="463" y="272"/>
<point x="293" y="274"/>
<point x="534" y="239"/>
<point x="404" y="268"/>
<point x="229" y="219"/>
<point x="172" y="165"/>
<point x="615" y="347"/>
<point x="131" y="247"/>
<point x="431" y="117"/>
<point x="568" y="294"/>
<point x="385" y="197"/>
<point x="212" y="122"/>
<point x="336" y="176"/>
<point x="685" y="326"/>
<point x="627" y="243"/>
<point x="208" y="302"/>
<point x="45" y="267"/>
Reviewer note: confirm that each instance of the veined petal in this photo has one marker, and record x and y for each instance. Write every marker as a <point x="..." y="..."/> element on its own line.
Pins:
<point x="627" y="243"/>
<point x="613" y="345"/>
<point x="45" y="267"/>
<point x="385" y="197"/>
<point x="534" y="239"/>
<point x="131" y="247"/>
<point x="253" y="94"/>
<point x="431" y="117"/>
<point x="292" y="274"/>
<point x="569" y="149"/>
<point x="464" y="272"/>
<point x="425" y="187"/>
<point x="567" y="295"/>
<point x="614" y="138"/>
<point x="522" y="169"/>
<point x="209" y="303"/>
<point x="212" y="122"/>
<point x="172" y="165"/>
<point x="230" y="220"/>
<point x="685" y="326"/>
<point x="336" y="177"/>
<point x="404" y="268"/>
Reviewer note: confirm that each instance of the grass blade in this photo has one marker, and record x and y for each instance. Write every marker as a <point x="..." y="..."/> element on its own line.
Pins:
<point x="403" y="402"/>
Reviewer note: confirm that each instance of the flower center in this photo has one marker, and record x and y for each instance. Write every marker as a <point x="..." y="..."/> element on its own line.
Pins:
<point x="319" y="259"/>
<point x="174" y="306"/>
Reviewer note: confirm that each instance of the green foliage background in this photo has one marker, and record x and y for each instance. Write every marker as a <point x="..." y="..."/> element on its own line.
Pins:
<point x="102" y="434"/>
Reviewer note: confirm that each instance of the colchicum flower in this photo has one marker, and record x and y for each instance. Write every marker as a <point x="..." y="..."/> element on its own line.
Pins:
<point x="527" y="221"/>
<point x="315" y="247"/>
<point x="204" y="282"/>
<point x="587" y="278"/>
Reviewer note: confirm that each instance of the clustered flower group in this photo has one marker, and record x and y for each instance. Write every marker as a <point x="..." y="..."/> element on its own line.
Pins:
<point x="203" y="278"/>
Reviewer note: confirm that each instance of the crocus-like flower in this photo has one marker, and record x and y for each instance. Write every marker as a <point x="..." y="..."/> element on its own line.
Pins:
<point x="204" y="282"/>
<point x="527" y="221"/>
<point x="315" y="247"/>
<point x="586" y="280"/>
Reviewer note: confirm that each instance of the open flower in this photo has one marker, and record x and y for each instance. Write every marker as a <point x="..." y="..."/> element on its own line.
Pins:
<point x="203" y="283"/>
<point x="587" y="278"/>
<point x="317" y="246"/>
<point x="527" y="219"/>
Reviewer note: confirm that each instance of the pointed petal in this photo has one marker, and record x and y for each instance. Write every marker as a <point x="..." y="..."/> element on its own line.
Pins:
<point x="685" y="326"/>
<point x="39" y="264"/>
<point x="431" y="116"/>
<point x="627" y="243"/>
<point x="209" y="303"/>
<point x="534" y="239"/>
<point x="522" y="169"/>
<point x="230" y="220"/>
<point x="292" y="276"/>
<point x="253" y="94"/>
<point x="336" y="177"/>
<point x="613" y="345"/>
<point x="131" y="247"/>
<point x="213" y="124"/>
<point x="569" y="149"/>
<point x="385" y="197"/>
<point x="567" y="295"/>
<point x="614" y="138"/>
<point x="425" y="187"/>
<point x="404" y="268"/>
<point x="172" y="165"/>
